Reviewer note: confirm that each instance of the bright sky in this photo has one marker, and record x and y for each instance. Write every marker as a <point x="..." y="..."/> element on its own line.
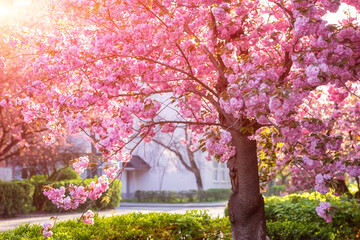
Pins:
<point x="9" y="8"/>
<point x="333" y="18"/>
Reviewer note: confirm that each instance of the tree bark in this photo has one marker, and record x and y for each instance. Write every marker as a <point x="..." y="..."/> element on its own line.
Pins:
<point x="246" y="204"/>
<point x="342" y="189"/>
<point x="199" y="183"/>
<point x="194" y="169"/>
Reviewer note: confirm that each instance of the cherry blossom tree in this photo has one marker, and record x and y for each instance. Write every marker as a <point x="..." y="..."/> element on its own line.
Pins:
<point x="17" y="132"/>
<point x="329" y="145"/>
<point x="243" y="76"/>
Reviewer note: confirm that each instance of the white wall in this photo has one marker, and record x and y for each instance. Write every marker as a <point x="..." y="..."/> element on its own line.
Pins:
<point x="167" y="173"/>
<point x="5" y="174"/>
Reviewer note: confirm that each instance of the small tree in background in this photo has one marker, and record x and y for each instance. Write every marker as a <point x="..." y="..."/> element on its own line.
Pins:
<point x="186" y="156"/>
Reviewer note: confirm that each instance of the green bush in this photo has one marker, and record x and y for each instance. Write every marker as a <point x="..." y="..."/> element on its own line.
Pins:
<point x="41" y="202"/>
<point x="210" y="195"/>
<point x="294" y="217"/>
<point x="37" y="178"/>
<point x="15" y="198"/>
<point x="114" y="194"/>
<point x="274" y="190"/>
<point x="296" y="230"/>
<point x="300" y="208"/>
<point x="66" y="173"/>
<point x="192" y="225"/>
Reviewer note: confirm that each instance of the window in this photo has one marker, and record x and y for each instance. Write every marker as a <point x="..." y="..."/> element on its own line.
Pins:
<point x="220" y="172"/>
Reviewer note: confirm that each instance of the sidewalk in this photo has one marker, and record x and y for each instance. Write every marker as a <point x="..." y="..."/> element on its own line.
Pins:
<point x="214" y="209"/>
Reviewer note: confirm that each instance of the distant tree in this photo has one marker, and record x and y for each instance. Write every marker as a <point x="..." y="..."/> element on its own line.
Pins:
<point x="44" y="159"/>
<point x="18" y="131"/>
<point x="181" y="149"/>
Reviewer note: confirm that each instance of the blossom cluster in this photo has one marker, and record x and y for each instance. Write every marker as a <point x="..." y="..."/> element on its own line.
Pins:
<point x="88" y="217"/>
<point x="219" y="145"/>
<point x="71" y="197"/>
<point x="47" y="229"/>
<point x="80" y="164"/>
<point x="323" y="210"/>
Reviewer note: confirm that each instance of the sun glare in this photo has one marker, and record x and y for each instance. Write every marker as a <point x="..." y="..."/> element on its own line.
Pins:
<point x="21" y="3"/>
<point x="9" y="9"/>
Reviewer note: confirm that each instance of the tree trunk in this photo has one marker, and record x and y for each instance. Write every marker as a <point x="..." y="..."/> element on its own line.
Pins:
<point x="246" y="204"/>
<point x="341" y="188"/>
<point x="194" y="168"/>
<point x="199" y="183"/>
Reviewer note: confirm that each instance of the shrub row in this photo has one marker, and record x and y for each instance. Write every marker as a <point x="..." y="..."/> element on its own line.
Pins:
<point x="24" y="196"/>
<point x="209" y="195"/>
<point x="192" y="225"/>
<point x="155" y="225"/>
<point x="15" y="198"/>
<point x="292" y="218"/>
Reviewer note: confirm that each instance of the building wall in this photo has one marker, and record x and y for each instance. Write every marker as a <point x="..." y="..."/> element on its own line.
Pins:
<point x="5" y="174"/>
<point x="168" y="174"/>
<point x="168" y="179"/>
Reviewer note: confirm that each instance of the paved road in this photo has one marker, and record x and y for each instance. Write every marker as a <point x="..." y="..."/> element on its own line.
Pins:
<point x="214" y="209"/>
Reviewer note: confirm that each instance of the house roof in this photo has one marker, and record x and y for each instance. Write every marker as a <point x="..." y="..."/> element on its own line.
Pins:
<point x="137" y="163"/>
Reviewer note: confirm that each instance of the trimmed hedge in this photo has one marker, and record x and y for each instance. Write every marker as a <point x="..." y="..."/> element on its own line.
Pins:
<point x="192" y="225"/>
<point x="41" y="202"/>
<point x="15" y="198"/>
<point x="210" y="195"/>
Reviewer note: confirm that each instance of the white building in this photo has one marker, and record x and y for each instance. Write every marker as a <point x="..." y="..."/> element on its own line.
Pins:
<point x="151" y="171"/>
<point x="153" y="168"/>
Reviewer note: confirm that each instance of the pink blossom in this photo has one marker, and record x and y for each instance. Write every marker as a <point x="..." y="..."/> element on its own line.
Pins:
<point x="220" y="14"/>
<point x="97" y="188"/>
<point x="81" y="164"/>
<point x="47" y="229"/>
<point x="88" y="217"/>
<point x="274" y="104"/>
<point x="2" y="63"/>
<point x="323" y="210"/>
<point x="183" y="141"/>
<point x="320" y="181"/>
<point x="112" y="171"/>
<point x="308" y="161"/>
<point x="219" y="67"/>
<point x="168" y="127"/>
<point x="49" y="139"/>
<point x="192" y="148"/>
